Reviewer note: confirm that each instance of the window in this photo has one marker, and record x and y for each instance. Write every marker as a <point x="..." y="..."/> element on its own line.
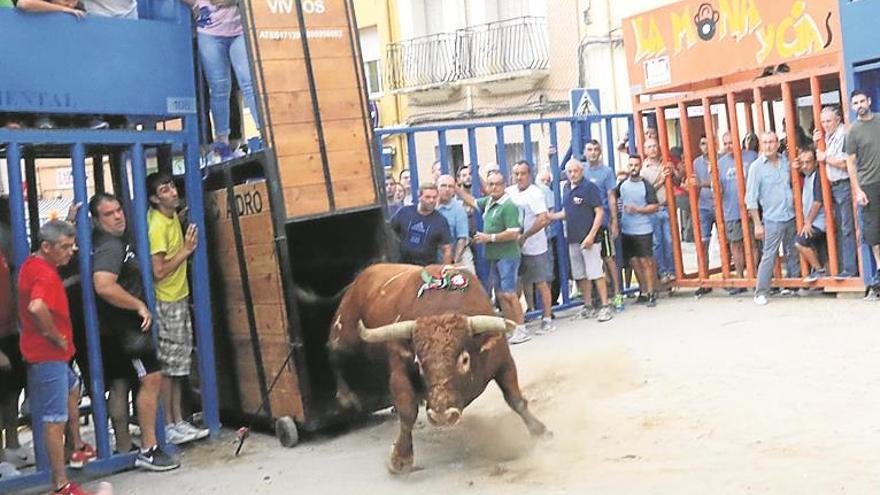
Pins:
<point x="372" y="62"/>
<point x="374" y="78"/>
<point x="454" y="156"/>
<point x="516" y="152"/>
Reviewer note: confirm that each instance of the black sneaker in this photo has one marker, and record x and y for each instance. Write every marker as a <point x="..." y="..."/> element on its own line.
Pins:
<point x="734" y="291"/>
<point x="641" y="299"/>
<point x="702" y="291"/>
<point x="652" y="300"/>
<point x="156" y="460"/>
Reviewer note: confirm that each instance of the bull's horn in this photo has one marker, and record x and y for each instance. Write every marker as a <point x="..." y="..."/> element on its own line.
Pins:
<point x="399" y="330"/>
<point x="484" y="323"/>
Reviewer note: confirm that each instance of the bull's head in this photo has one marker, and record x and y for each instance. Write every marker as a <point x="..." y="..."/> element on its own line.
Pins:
<point x="445" y="350"/>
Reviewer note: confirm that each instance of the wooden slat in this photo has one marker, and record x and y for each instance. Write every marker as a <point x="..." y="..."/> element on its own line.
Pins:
<point x="276" y="44"/>
<point x="306" y="200"/>
<point x="335" y="104"/>
<point x="290" y="75"/>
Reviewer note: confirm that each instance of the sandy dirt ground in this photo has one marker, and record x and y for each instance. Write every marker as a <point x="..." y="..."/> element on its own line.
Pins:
<point x="692" y="397"/>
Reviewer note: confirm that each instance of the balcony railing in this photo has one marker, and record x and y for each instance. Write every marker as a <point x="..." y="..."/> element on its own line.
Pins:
<point x="487" y="50"/>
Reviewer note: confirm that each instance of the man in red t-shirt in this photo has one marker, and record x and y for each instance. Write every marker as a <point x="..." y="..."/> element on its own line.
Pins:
<point x="47" y="348"/>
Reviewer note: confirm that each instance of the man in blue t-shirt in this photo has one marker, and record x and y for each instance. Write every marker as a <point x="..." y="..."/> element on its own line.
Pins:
<point x="423" y="231"/>
<point x="730" y="201"/>
<point x="639" y="202"/>
<point x="811" y="238"/>
<point x="603" y="177"/>
<point x="583" y="214"/>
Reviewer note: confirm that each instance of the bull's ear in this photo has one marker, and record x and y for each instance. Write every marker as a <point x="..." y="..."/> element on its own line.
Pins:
<point x="490" y="343"/>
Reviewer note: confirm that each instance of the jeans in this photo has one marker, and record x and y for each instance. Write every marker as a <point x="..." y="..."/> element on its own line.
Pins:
<point x="49" y="384"/>
<point x="707" y="219"/>
<point x="503" y="274"/>
<point x="775" y="233"/>
<point x="844" y="226"/>
<point x="217" y="54"/>
<point x="663" y="242"/>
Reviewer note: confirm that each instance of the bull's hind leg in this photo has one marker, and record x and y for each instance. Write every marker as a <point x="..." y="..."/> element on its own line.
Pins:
<point x="344" y="395"/>
<point x="407" y="406"/>
<point x="508" y="382"/>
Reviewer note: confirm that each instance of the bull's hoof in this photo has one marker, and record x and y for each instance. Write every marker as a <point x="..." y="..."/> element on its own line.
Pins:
<point x="399" y="464"/>
<point x="348" y="400"/>
<point x="546" y="436"/>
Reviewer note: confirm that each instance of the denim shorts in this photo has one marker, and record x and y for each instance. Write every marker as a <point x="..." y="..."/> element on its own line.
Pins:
<point x="49" y="385"/>
<point x="503" y="274"/>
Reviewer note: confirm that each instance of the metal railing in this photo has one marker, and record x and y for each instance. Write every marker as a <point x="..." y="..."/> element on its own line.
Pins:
<point x="485" y="50"/>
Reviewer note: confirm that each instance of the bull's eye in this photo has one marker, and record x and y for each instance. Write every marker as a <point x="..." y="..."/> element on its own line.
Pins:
<point x="464" y="362"/>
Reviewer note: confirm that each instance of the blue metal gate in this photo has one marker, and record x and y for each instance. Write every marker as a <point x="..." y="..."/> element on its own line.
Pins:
<point x="605" y="128"/>
<point x="141" y="71"/>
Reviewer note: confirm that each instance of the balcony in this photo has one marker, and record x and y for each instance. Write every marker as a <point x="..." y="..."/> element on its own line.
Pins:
<point x="499" y="57"/>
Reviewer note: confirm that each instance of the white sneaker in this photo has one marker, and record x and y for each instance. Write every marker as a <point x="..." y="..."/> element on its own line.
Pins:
<point x="761" y="300"/>
<point x="20" y="457"/>
<point x="547" y="326"/>
<point x="188" y="428"/>
<point x="177" y="437"/>
<point x="7" y="470"/>
<point x="587" y="313"/>
<point x="519" y="336"/>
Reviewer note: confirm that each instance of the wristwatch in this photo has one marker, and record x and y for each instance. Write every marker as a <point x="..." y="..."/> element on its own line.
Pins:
<point x="492" y="238"/>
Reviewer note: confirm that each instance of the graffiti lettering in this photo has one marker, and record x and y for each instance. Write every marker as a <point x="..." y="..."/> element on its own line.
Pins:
<point x="683" y="33"/>
<point x="649" y="45"/>
<point x="739" y="18"/>
<point x="795" y="36"/>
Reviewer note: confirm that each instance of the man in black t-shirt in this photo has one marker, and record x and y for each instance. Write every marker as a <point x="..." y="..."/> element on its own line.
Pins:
<point x="422" y="230"/>
<point x="123" y="312"/>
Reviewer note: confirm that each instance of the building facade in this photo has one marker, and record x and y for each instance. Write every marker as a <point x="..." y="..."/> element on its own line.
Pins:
<point x="463" y="61"/>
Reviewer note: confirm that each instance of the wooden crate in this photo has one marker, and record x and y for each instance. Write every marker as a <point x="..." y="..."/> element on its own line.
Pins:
<point x="312" y="182"/>
<point x="257" y="232"/>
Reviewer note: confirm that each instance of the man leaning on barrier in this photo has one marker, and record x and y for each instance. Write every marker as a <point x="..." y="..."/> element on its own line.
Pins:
<point x="121" y="308"/>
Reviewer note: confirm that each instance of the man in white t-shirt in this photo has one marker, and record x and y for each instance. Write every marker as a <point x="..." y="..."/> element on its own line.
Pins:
<point x="536" y="266"/>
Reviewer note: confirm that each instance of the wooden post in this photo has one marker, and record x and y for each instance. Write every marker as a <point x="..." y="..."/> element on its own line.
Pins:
<point x="827" y="199"/>
<point x="670" y="193"/>
<point x="716" y="187"/>
<point x="741" y="183"/>
<point x="693" y="192"/>
<point x="791" y="140"/>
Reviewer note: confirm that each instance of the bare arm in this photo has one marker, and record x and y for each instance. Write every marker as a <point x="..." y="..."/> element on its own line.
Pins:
<point x="466" y="196"/>
<point x="107" y="287"/>
<point x="45" y="325"/>
<point x="43" y="6"/>
<point x="163" y="267"/>
<point x="858" y="194"/>
<point x="541" y="221"/>
<point x="597" y="224"/>
<point x="612" y="207"/>
<point x="556" y="215"/>
<point x="756" y="220"/>
<point x="447" y="253"/>
<point x="807" y="229"/>
<point x="507" y="235"/>
<point x="460" y="246"/>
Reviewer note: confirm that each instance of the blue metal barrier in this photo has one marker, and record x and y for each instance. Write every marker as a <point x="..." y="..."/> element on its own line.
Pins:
<point x="581" y="128"/>
<point x="861" y="70"/>
<point x="144" y="71"/>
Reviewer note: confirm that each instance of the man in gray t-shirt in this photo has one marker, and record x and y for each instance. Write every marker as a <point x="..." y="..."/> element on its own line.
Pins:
<point x="126" y="9"/>
<point x="863" y="165"/>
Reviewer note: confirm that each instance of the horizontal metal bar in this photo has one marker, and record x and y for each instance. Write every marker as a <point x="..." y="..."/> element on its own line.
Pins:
<point x="105" y="136"/>
<point x="504" y="123"/>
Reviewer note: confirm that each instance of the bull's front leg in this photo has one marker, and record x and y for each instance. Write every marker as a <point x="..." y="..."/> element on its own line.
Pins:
<point x="509" y="383"/>
<point x="404" y="397"/>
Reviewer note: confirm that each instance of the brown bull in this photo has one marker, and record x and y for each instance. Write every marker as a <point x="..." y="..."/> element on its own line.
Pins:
<point x="443" y="347"/>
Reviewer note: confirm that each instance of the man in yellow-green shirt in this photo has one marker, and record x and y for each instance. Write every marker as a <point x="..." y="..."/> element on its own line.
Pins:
<point x="169" y="250"/>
